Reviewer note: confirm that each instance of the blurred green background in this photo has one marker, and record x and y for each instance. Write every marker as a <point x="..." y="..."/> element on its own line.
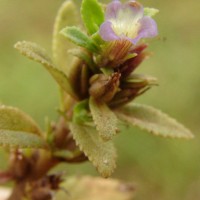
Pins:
<point x="161" y="168"/>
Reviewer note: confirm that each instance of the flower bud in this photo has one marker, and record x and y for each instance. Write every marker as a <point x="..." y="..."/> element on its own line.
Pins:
<point x="130" y="65"/>
<point x="78" y="77"/>
<point x="104" y="87"/>
<point x="132" y="87"/>
<point x="138" y="81"/>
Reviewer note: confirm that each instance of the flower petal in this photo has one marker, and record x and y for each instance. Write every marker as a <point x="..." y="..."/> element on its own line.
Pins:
<point x="136" y="8"/>
<point x="107" y="33"/>
<point x="148" y="29"/>
<point x="112" y="9"/>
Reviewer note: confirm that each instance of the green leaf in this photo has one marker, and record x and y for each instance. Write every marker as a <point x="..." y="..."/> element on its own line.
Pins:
<point x="102" y="154"/>
<point x="150" y="12"/>
<point x="16" y="120"/>
<point x="154" y="121"/>
<point x="97" y="39"/>
<point x="75" y="35"/>
<point x="38" y="54"/>
<point x="81" y="113"/>
<point x="104" y="119"/>
<point x="92" y="15"/>
<point x="20" y="139"/>
<point x="67" y="16"/>
<point x="17" y="129"/>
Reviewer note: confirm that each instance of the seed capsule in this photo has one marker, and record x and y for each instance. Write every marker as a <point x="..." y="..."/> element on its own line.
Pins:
<point x="104" y="87"/>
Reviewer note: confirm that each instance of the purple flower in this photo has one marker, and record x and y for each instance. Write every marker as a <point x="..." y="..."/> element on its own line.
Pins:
<point x="127" y="21"/>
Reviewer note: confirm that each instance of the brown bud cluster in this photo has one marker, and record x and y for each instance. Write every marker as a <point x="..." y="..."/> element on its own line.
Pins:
<point x="119" y="59"/>
<point x="44" y="188"/>
<point x="19" y="165"/>
<point x="122" y="86"/>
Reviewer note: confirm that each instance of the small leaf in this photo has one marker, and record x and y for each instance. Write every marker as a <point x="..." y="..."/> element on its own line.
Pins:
<point x="38" y="54"/>
<point x="75" y="35"/>
<point x="65" y="154"/>
<point x="16" y="120"/>
<point x="92" y="15"/>
<point x="150" y="12"/>
<point x="20" y="139"/>
<point x="102" y="154"/>
<point x="81" y="113"/>
<point x="153" y="120"/>
<point x="67" y="16"/>
<point x="107" y="71"/>
<point x="104" y="119"/>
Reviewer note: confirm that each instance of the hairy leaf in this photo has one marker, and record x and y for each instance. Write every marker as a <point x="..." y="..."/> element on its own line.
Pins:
<point x="92" y="15"/>
<point x="104" y="119"/>
<point x="102" y="154"/>
<point x="38" y="54"/>
<point x="67" y="16"/>
<point x="16" y="120"/>
<point x="154" y="121"/>
<point x="150" y="11"/>
<point x="75" y="35"/>
<point x="21" y="139"/>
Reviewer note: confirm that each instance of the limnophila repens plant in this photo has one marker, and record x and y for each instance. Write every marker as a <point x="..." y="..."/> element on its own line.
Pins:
<point x="94" y="62"/>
